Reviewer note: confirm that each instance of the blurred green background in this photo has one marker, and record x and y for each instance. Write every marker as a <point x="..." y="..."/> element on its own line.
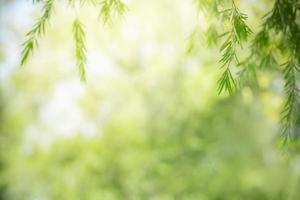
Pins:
<point x="147" y="124"/>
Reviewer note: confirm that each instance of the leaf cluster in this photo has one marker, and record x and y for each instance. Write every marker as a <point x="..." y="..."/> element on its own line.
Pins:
<point x="265" y="51"/>
<point x="283" y="20"/>
<point x="80" y="47"/>
<point x="238" y="33"/>
<point x="108" y="9"/>
<point x="279" y="39"/>
<point x="290" y="109"/>
<point x="37" y="30"/>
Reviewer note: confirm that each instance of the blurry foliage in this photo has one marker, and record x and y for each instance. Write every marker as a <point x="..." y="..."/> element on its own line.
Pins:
<point x="184" y="154"/>
<point x="108" y="9"/>
<point x="79" y="38"/>
<point x="148" y="124"/>
<point x="276" y="44"/>
<point x="282" y="19"/>
<point x="238" y="33"/>
<point x="38" y="29"/>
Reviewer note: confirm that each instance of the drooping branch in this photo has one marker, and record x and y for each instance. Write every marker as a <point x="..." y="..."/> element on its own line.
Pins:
<point x="238" y="33"/>
<point x="289" y="112"/>
<point x="80" y="47"/>
<point x="108" y="9"/>
<point x="38" y="30"/>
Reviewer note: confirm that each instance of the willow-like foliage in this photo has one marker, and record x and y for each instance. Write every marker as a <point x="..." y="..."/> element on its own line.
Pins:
<point x="290" y="108"/>
<point x="108" y="10"/>
<point x="278" y="39"/>
<point x="238" y="33"/>
<point x="37" y="30"/>
<point x="80" y="47"/>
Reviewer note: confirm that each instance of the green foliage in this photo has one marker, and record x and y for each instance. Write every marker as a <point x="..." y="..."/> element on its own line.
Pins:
<point x="283" y="15"/>
<point x="159" y="131"/>
<point x="80" y="47"/>
<point x="283" y="21"/>
<point x="111" y="8"/>
<point x="108" y="9"/>
<point x="210" y="7"/>
<point x="291" y="105"/>
<point x="227" y="81"/>
<point x="38" y="30"/>
<point x="238" y="34"/>
<point x="170" y="150"/>
<point x="278" y="40"/>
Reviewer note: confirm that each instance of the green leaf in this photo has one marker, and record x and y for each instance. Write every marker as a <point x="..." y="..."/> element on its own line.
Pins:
<point x="80" y="47"/>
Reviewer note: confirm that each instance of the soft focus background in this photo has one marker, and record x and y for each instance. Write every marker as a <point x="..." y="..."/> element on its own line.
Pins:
<point x="147" y="124"/>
